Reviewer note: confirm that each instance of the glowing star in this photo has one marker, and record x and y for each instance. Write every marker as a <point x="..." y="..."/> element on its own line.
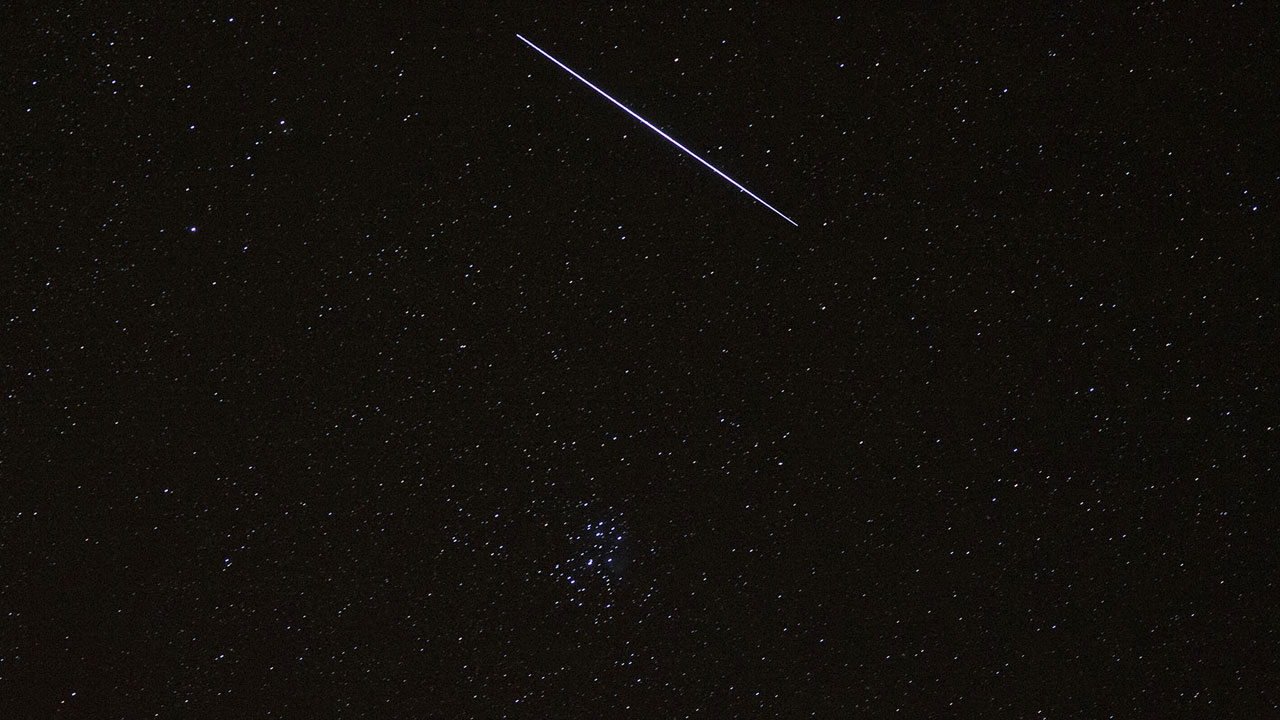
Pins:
<point x="654" y="128"/>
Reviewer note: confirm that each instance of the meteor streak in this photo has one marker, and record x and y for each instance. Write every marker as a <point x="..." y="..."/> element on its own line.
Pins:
<point x="654" y="128"/>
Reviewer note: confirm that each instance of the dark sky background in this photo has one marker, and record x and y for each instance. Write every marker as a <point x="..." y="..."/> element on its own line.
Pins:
<point x="359" y="362"/>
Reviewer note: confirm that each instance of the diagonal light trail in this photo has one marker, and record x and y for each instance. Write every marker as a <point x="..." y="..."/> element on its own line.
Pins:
<point x="654" y="128"/>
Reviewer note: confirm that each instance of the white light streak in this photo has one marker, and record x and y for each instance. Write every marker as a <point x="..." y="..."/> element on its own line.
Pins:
<point x="654" y="128"/>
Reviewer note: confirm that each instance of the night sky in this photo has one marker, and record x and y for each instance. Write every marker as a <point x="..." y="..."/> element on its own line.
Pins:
<point x="360" y="362"/>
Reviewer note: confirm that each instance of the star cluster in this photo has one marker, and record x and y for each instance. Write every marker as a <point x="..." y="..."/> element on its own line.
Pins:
<point x="598" y="552"/>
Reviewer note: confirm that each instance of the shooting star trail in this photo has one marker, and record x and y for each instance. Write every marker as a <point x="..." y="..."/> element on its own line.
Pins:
<point x="654" y="128"/>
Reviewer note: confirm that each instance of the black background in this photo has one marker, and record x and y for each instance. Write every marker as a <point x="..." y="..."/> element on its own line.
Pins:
<point x="328" y="331"/>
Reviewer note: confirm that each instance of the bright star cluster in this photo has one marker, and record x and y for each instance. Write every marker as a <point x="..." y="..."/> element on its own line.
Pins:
<point x="596" y="553"/>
